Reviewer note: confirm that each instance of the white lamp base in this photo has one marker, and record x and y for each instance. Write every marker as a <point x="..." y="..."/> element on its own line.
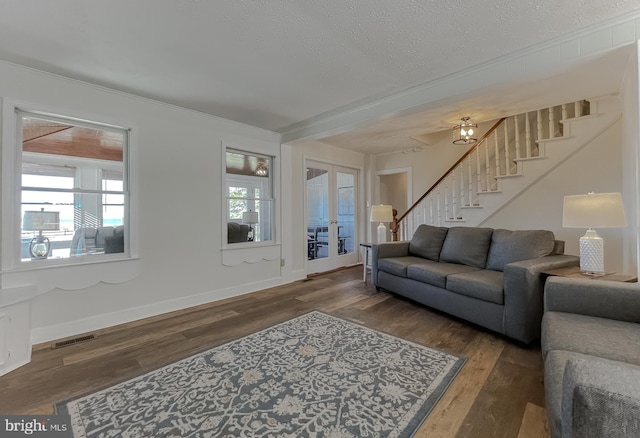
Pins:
<point x="382" y="233"/>
<point x="592" y="253"/>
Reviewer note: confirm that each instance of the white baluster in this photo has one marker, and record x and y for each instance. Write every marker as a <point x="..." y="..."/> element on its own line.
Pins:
<point x="446" y="200"/>
<point x="497" y="152"/>
<point x="478" y="168"/>
<point x="517" y="129"/>
<point x="565" y="113"/>
<point x="577" y="108"/>
<point x="470" y="179"/>
<point x="539" y="120"/>
<point x="462" y="186"/>
<point x="486" y="166"/>
<point x="453" y="194"/>
<point x="507" y="154"/>
<point x="527" y="133"/>
<point x="552" y="123"/>
<point x="431" y="209"/>
<point x="438" y="207"/>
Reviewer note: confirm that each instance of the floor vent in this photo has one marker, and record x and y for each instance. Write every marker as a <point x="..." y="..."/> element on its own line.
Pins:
<point x="73" y="341"/>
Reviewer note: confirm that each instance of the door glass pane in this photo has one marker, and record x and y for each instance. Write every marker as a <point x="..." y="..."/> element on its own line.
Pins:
<point x="346" y="212"/>
<point x="317" y="213"/>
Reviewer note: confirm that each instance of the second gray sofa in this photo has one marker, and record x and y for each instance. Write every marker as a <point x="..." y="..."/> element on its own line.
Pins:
<point x="591" y="351"/>
<point x="489" y="277"/>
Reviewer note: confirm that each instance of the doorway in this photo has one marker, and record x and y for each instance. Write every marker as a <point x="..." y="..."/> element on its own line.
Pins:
<point x="331" y="223"/>
<point x="394" y="187"/>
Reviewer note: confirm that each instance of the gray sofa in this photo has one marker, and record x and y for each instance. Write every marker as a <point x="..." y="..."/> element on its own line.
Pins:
<point x="591" y="349"/>
<point x="102" y="239"/>
<point x="489" y="277"/>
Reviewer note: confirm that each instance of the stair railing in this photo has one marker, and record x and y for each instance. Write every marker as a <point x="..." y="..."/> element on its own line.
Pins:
<point x="482" y="168"/>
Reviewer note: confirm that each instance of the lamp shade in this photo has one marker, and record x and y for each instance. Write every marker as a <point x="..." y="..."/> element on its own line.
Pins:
<point x="41" y="221"/>
<point x="594" y="210"/>
<point x="381" y="213"/>
<point x="250" y="217"/>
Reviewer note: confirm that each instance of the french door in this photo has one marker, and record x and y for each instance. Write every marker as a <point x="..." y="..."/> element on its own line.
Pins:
<point x="331" y="199"/>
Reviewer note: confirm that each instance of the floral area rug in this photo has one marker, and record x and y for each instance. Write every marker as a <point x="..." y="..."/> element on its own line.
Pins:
<point x="313" y="376"/>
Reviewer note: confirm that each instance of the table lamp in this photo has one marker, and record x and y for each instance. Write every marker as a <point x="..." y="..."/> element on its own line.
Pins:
<point x="593" y="210"/>
<point x="251" y="218"/>
<point x="381" y="213"/>
<point x="40" y="221"/>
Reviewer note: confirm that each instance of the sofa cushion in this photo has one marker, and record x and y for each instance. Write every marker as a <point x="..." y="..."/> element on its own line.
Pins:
<point x="435" y="273"/>
<point x="485" y="285"/>
<point x="607" y="338"/>
<point x="467" y="246"/>
<point x="397" y="265"/>
<point x="513" y="246"/>
<point x="427" y="242"/>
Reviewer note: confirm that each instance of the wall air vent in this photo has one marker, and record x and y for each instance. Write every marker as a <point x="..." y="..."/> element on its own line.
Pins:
<point x="73" y="341"/>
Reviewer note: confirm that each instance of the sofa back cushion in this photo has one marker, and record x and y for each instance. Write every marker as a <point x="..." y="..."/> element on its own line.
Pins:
<point x="427" y="242"/>
<point x="467" y="246"/>
<point x="514" y="246"/>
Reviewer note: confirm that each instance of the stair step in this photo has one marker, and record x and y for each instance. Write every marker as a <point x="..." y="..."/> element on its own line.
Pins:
<point x="454" y="220"/>
<point x="578" y="119"/>
<point x="507" y="176"/>
<point x="554" y="139"/>
<point x="530" y="158"/>
<point x="471" y="206"/>
<point x="482" y="192"/>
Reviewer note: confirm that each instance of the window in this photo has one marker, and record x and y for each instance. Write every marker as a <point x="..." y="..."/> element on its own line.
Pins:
<point x="73" y="192"/>
<point x="249" y="188"/>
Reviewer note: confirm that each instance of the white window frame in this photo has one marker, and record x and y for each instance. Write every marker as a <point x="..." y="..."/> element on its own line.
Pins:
<point x="230" y="177"/>
<point x="47" y="274"/>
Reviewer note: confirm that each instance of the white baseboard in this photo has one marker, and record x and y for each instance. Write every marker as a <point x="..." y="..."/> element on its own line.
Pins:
<point x="72" y="328"/>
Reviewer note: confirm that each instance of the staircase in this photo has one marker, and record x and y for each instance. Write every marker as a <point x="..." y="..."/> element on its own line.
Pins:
<point x="514" y="154"/>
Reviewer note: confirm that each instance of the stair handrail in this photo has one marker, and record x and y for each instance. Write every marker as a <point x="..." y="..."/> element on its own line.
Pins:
<point x="444" y="175"/>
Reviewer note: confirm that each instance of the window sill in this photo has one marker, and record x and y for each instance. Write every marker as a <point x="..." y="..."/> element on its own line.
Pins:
<point x="75" y="275"/>
<point x="250" y="252"/>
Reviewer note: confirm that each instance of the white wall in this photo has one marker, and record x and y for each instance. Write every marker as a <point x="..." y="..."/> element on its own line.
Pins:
<point x="595" y="168"/>
<point x="180" y="200"/>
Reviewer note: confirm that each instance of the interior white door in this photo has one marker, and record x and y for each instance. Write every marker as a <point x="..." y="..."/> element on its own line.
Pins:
<point x="331" y="199"/>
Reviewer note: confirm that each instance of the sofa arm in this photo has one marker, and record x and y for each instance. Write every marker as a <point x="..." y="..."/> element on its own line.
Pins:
<point x="600" y="298"/>
<point x="385" y="250"/>
<point x="523" y="294"/>
<point x="600" y="398"/>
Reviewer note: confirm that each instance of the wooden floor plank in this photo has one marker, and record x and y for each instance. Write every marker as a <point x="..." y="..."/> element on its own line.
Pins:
<point x="449" y="414"/>
<point x="534" y="423"/>
<point x="498" y="392"/>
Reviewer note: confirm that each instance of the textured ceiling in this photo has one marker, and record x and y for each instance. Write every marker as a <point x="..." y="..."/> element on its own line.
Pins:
<point x="273" y="63"/>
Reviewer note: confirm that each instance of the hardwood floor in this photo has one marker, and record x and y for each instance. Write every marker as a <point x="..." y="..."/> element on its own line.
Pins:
<point x="498" y="393"/>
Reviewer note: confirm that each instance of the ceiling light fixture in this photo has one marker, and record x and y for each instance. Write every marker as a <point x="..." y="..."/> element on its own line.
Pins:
<point x="465" y="132"/>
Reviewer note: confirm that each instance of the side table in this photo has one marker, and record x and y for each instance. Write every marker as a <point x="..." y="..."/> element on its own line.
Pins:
<point x="575" y="272"/>
<point x="365" y="265"/>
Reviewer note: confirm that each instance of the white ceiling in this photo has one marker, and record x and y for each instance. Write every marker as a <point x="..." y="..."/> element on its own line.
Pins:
<point x="275" y="63"/>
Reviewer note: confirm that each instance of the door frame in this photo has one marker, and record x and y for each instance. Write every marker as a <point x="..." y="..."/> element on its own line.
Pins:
<point x="376" y="187"/>
<point x="359" y="201"/>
